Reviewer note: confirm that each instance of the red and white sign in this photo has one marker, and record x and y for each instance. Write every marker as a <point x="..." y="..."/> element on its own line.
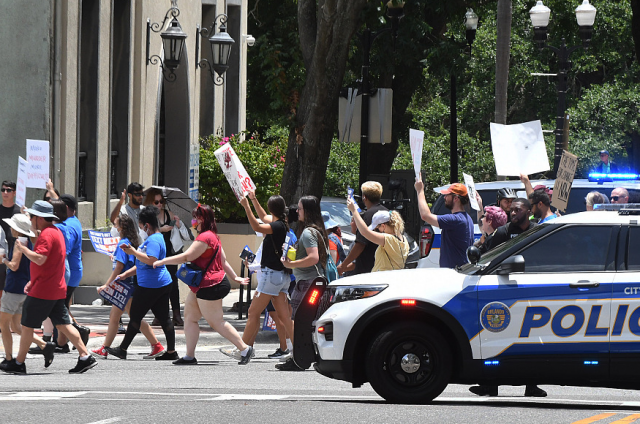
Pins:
<point x="237" y="176"/>
<point x="38" y="159"/>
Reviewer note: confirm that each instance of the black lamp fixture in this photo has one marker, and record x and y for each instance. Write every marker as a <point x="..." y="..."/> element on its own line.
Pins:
<point x="221" y="44"/>
<point x="172" y="41"/>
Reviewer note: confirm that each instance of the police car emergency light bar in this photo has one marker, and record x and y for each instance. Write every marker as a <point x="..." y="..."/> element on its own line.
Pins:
<point x="595" y="176"/>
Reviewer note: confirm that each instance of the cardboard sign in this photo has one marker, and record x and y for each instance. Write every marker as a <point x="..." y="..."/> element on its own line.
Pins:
<point x="471" y="188"/>
<point x="21" y="182"/>
<point x="564" y="179"/>
<point x="233" y="169"/>
<point x="103" y="243"/>
<point x="416" y="140"/>
<point x="118" y="293"/>
<point x="38" y="159"/>
<point x="519" y="148"/>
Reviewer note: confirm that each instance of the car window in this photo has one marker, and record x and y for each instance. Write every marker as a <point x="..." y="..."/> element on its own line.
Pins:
<point x="570" y="249"/>
<point x="633" y="258"/>
<point x="493" y="253"/>
<point x="338" y="211"/>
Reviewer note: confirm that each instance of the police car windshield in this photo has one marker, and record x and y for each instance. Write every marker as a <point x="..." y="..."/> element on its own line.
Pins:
<point x="498" y="250"/>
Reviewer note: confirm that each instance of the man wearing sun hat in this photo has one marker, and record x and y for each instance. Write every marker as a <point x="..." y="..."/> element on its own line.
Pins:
<point x="457" y="227"/>
<point x="46" y="292"/>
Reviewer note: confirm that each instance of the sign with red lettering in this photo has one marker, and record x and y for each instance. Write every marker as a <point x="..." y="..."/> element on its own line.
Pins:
<point x="237" y="176"/>
<point x="38" y="160"/>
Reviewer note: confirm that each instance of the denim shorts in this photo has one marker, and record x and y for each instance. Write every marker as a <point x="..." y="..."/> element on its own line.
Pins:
<point x="272" y="282"/>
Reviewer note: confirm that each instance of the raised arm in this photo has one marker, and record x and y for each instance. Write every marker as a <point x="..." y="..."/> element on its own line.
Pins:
<point x="262" y="214"/>
<point x="372" y="236"/>
<point x="423" y="207"/>
<point x="116" y="210"/>
<point x="255" y="225"/>
<point x="527" y="184"/>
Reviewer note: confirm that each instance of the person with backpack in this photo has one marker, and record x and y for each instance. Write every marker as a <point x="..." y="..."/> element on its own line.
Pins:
<point x="386" y="231"/>
<point x="334" y="235"/>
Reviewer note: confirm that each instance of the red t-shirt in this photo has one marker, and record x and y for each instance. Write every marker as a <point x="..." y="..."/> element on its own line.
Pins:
<point x="47" y="281"/>
<point x="215" y="272"/>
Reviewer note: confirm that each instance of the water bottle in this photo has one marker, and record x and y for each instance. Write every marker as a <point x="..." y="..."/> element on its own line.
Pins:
<point x="97" y="302"/>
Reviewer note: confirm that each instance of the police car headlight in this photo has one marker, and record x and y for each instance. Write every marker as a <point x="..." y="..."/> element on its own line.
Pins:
<point x="345" y="293"/>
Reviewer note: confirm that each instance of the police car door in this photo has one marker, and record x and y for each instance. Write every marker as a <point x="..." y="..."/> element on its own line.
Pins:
<point x="557" y="312"/>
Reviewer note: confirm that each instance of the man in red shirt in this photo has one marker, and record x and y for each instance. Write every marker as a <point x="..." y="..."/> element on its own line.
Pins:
<point x="46" y="292"/>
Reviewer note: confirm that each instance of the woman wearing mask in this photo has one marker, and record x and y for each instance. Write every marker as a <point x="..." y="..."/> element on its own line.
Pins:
<point x="123" y="262"/>
<point x="154" y="286"/>
<point x="206" y="299"/>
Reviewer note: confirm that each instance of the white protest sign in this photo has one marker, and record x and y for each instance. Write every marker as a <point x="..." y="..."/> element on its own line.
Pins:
<point x="564" y="179"/>
<point x="233" y="169"/>
<point x="38" y="159"/>
<point x="416" y="139"/>
<point x="471" y="188"/>
<point x="21" y="182"/>
<point x="519" y="149"/>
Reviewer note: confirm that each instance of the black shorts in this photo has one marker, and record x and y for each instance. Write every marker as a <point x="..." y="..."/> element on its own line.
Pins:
<point x="217" y="292"/>
<point x="35" y="311"/>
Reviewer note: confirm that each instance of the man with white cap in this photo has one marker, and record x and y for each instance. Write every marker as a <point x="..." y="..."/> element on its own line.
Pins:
<point x="46" y="292"/>
<point x="457" y="227"/>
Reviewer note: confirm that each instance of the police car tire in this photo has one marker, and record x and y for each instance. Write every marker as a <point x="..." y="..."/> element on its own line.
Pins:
<point x="391" y="381"/>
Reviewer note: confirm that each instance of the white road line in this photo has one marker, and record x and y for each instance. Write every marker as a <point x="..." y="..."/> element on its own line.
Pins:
<point x="107" y="421"/>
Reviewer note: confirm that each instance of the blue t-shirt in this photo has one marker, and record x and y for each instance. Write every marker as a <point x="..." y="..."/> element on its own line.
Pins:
<point x="73" y="241"/>
<point x="129" y="261"/>
<point x="148" y="276"/>
<point x="549" y="218"/>
<point x="457" y="236"/>
<point x="16" y="280"/>
<point x="292" y="242"/>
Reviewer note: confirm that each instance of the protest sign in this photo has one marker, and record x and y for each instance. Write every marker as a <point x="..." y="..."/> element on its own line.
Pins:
<point x="38" y="160"/>
<point x="564" y="179"/>
<point x="118" y="293"/>
<point x="471" y="188"/>
<point x="233" y="169"/>
<point x="268" y="324"/>
<point x="103" y="243"/>
<point x="519" y="148"/>
<point x="21" y="182"/>
<point x="416" y="140"/>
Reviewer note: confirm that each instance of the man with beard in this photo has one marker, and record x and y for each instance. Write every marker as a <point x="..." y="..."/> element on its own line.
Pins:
<point x="541" y="206"/>
<point x="133" y="208"/>
<point x="457" y="227"/>
<point x="519" y="223"/>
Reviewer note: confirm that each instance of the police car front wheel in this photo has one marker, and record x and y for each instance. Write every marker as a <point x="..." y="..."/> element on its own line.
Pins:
<point x="409" y="363"/>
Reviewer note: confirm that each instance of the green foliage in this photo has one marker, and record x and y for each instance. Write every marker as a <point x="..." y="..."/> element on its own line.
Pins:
<point x="263" y="161"/>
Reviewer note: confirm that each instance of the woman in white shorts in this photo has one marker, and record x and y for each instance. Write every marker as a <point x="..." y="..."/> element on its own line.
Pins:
<point x="18" y="276"/>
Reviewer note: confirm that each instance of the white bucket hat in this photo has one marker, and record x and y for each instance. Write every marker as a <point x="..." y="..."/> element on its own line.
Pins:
<point x="20" y="223"/>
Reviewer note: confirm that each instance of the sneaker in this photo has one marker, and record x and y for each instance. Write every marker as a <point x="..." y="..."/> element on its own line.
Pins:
<point x="84" y="333"/>
<point x="35" y="350"/>
<point x="117" y="352"/>
<point x="4" y="363"/>
<point x="156" y="351"/>
<point x="234" y="353"/>
<point x="100" y="352"/>
<point x="286" y="356"/>
<point x="122" y="329"/>
<point x="13" y="368"/>
<point x="168" y="356"/>
<point x="182" y="361"/>
<point x="484" y="390"/>
<point x="62" y="349"/>
<point x="48" y="351"/>
<point x="534" y="391"/>
<point x="83" y="366"/>
<point x="279" y="353"/>
<point x="289" y="365"/>
<point x="244" y="359"/>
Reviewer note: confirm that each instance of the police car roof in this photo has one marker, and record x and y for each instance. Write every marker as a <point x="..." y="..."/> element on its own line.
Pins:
<point x="605" y="187"/>
<point x="596" y="217"/>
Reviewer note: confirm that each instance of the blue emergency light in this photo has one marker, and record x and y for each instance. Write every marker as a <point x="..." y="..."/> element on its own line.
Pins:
<point x="494" y="362"/>
<point x="597" y="176"/>
<point x="591" y="362"/>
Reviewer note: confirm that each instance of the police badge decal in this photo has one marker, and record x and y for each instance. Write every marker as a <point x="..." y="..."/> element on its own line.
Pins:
<point x="495" y="317"/>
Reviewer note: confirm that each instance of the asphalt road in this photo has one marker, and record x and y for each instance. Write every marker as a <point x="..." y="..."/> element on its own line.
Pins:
<point x="217" y="389"/>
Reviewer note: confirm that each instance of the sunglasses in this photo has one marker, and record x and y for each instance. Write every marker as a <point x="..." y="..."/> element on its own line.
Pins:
<point x="6" y="190"/>
<point x="137" y="194"/>
<point x="158" y="202"/>
<point x="617" y="197"/>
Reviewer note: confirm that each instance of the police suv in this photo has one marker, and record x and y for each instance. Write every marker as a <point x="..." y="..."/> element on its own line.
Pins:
<point x="559" y="304"/>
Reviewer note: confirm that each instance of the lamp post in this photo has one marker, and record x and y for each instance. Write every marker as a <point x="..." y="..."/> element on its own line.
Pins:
<point x="221" y="44"/>
<point x="172" y="41"/>
<point x="471" y="25"/>
<point x="586" y="16"/>
<point x="367" y="37"/>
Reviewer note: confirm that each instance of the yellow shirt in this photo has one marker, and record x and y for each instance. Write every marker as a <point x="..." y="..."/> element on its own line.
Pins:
<point x="392" y="255"/>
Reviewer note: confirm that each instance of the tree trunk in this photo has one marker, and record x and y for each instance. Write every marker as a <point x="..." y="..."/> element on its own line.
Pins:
<point x="325" y="34"/>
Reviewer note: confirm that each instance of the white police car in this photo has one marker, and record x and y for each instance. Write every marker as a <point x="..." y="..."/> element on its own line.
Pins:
<point x="559" y="304"/>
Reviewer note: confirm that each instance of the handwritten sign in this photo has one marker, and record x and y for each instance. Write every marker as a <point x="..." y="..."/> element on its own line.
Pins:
<point x="237" y="176"/>
<point x="103" y="243"/>
<point x="21" y="182"/>
<point x="118" y="293"/>
<point x="416" y="140"/>
<point x="38" y="159"/>
<point x="564" y="179"/>
<point x="471" y="188"/>
<point x="519" y="148"/>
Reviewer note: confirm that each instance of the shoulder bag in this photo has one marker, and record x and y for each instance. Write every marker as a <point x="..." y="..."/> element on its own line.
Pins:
<point x="191" y="274"/>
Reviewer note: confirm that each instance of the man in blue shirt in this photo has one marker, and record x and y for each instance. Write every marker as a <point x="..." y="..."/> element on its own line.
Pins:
<point x="457" y="227"/>
<point x="541" y="206"/>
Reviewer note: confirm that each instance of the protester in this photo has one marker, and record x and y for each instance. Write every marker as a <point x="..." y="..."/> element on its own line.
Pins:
<point x="541" y="206"/>
<point x="335" y="238"/>
<point x="17" y="278"/>
<point x="363" y="251"/>
<point x="493" y="218"/>
<point x="206" y="300"/>
<point x="457" y="227"/>
<point x="7" y="210"/>
<point x="606" y="166"/>
<point x="518" y="224"/>
<point x="595" y="198"/>
<point x="46" y="292"/>
<point x="311" y="253"/>
<point x="619" y="195"/>
<point x="123" y="262"/>
<point x="386" y="231"/>
<point x="154" y="286"/>
<point x="133" y="207"/>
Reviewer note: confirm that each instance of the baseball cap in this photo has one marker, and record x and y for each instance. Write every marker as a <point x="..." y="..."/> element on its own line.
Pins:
<point x="457" y="188"/>
<point x="380" y="217"/>
<point x="545" y="188"/>
<point x="604" y="152"/>
<point x="70" y="201"/>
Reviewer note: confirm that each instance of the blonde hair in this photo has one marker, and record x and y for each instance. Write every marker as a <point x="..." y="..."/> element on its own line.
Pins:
<point x="372" y="190"/>
<point x="396" y="222"/>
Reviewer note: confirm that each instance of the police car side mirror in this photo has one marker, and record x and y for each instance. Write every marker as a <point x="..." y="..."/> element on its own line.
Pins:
<point x="473" y="254"/>
<point x="511" y="265"/>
